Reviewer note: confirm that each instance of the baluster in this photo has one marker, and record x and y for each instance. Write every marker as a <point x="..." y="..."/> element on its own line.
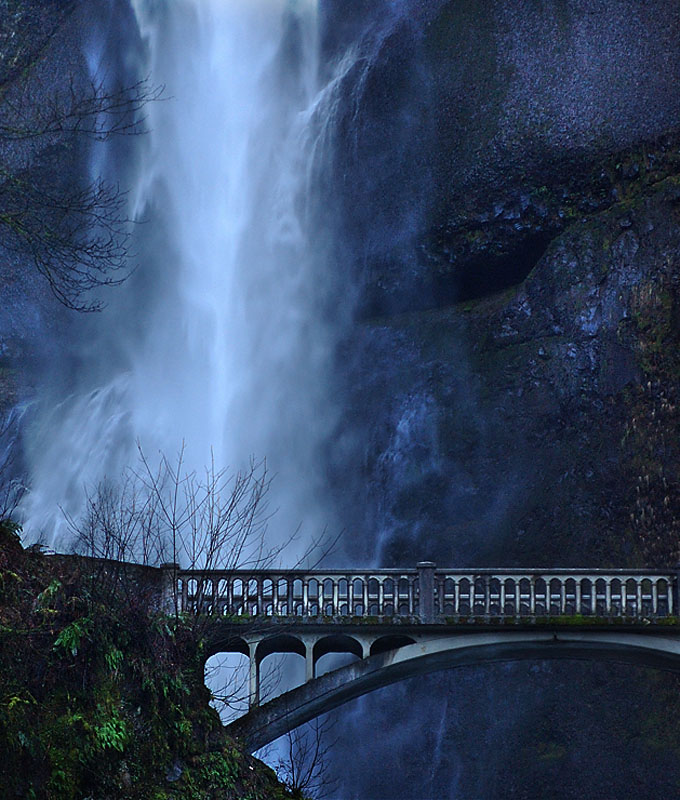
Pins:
<point x="320" y="598"/>
<point x="608" y="597"/>
<point x="230" y="596"/>
<point x="350" y="596"/>
<point x="670" y="596"/>
<point x="260" y="595"/>
<point x="335" y="596"/>
<point x="577" y="597"/>
<point x="532" y="596"/>
<point x="365" y="579"/>
<point x="276" y="600"/>
<point x="517" y="597"/>
<point x="624" y="597"/>
<point x="381" y="598"/>
<point x="305" y="597"/>
<point x="638" y="598"/>
<point x="289" y="594"/>
<point x="655" y="598"/>
<point x="563" y="596"/>
<point x="501" y="598"/>
<point x="487" y="595"/>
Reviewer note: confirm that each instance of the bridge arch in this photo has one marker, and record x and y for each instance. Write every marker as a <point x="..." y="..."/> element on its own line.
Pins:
<point x="337" y="643"/>
<point x="390" y="642"/>
<point x="228" y="644"/>
<point x="264" y="724"/>
<point x="281" y="643"/>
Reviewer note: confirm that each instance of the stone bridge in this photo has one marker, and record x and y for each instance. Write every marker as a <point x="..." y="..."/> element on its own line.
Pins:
<point x="399" y="623"/>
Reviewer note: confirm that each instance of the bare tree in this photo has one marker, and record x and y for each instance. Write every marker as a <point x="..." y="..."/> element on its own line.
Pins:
<point x="303" y="767"/>
<point x="154" y="514"/>
<point x="74" y="230"/>
<point x="214" y="520"/>
<point x="163" y="512"/>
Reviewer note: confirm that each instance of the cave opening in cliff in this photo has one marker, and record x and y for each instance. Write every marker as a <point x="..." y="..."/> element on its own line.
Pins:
<point x="489" y="274"/>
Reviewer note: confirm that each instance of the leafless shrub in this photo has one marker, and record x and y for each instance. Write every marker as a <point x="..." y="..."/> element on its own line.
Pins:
<point x="167" y="513"/>
<point x="303" y="767"/>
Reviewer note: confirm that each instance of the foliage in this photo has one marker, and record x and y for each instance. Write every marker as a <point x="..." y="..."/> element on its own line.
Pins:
<point x="105" y="700"/>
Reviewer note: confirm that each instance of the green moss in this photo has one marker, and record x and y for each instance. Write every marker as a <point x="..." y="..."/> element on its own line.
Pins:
<point x="101" y="697"/>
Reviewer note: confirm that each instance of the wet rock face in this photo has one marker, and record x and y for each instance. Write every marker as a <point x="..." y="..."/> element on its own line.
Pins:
<point x="473" y="131"/>
<point x="497" y="429"/>
<point x="511" y="217"/>
<point x="533" y="423"/>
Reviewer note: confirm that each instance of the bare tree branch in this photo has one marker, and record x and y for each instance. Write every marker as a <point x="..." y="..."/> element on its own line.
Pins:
<point x="96" y="112"/>
<point x="304" y="768"/>
<point x="74" y="230"/>
<point x="78" y="239"/>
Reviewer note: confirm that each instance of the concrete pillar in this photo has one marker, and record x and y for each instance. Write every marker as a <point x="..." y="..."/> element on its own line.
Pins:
<point x="169" y="600"/>
<point x="655" y="597"/>
<point x="426" y="590"/>
<point x="674" y="595"/>
<point x="309" y="661"/>
<point x="254" y="677"/>
<point x="290" y="601"/>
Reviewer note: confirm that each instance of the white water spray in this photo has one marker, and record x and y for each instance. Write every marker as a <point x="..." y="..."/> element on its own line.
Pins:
<point x="219" y="340"/>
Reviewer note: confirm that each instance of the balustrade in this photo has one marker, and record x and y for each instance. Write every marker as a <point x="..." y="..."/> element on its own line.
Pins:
<point x="450" y="595"/>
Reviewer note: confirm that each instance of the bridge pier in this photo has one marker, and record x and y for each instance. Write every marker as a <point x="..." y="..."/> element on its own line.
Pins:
<point x="254" y="676"/>
<point x="309" y="661"/>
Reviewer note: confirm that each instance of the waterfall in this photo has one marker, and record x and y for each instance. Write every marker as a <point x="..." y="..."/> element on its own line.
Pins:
<point x="220" y="339"/>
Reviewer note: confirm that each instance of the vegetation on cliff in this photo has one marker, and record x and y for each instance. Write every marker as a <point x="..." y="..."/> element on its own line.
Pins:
<point x="103" y="697"/>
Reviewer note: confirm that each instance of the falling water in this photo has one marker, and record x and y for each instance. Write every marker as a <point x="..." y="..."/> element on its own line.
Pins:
<point x="220" y="339"/>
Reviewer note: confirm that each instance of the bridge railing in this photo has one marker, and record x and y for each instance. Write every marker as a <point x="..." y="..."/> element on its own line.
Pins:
<point x="428" y="593"/>
<point x="555" y="593"/>
<point x="321" y="593"/>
